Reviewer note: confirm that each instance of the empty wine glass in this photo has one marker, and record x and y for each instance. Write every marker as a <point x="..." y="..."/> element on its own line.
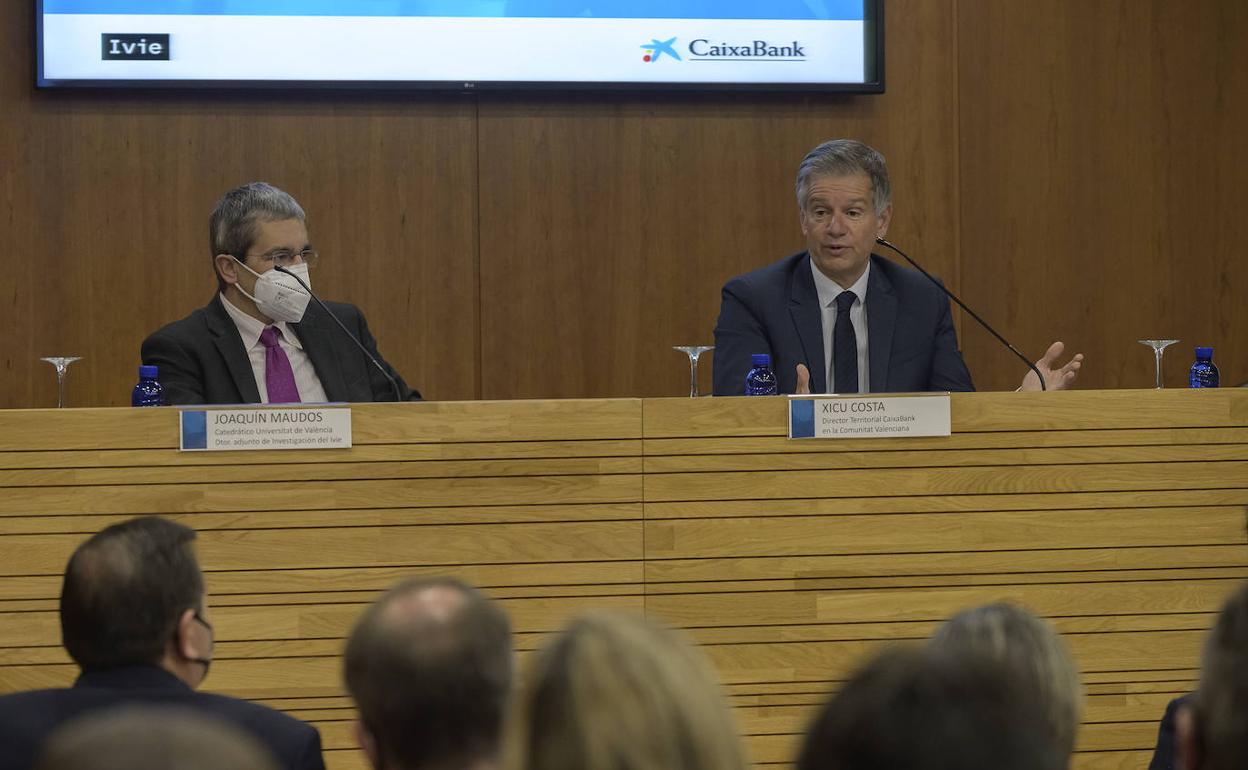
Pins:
<point x="693" y="351"/>
<point x="1158" y="346"/>
<point x="62" y="367"/>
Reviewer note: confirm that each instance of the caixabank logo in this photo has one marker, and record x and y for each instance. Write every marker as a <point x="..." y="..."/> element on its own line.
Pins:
<point x="656" y="49"/>
<point x="705" y="49"/>
<point x="753" y="50"/>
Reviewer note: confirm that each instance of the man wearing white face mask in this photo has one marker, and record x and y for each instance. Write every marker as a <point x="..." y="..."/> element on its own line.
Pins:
<point x="263" y="339"/>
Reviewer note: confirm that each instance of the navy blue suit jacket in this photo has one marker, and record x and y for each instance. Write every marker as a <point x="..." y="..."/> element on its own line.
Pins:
<point x="201" y="358"/>
<point x="1163" y="754"/>
<point x="27" y="718"/>
<point x="911" y="342"/>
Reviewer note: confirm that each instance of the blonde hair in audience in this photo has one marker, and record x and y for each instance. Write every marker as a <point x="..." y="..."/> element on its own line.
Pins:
<point x="1015" y="637"/>
<point x="619" y="692"/>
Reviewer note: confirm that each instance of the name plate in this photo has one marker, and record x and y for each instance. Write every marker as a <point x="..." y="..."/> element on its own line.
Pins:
<point x="869" y="416"/>
<point x="209" y="430"/>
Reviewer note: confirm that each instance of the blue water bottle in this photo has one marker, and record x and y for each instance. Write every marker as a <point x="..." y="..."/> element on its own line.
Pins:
<point x="761" y="381"/>
<point x="1204" y="374"/>
<point x="148" y="391"/>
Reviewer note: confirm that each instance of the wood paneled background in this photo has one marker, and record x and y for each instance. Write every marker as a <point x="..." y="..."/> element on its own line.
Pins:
<point x="1075" y="168"/>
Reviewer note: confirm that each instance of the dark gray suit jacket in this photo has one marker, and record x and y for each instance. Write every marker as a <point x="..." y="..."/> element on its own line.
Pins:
<point x="27" y="718"/>
<point x="201" y="358"/>
<point x="911" y="342"/>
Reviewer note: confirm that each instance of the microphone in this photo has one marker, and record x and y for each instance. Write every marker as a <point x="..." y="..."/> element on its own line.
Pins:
<point x="961" y="304"/>
<point x="393" y="383"/>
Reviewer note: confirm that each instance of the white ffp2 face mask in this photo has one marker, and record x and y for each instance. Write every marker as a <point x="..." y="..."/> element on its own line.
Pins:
<point x="279" y="296"/>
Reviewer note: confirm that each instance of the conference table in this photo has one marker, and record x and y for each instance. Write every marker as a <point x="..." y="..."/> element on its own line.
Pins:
<point x="1118" y="515"/>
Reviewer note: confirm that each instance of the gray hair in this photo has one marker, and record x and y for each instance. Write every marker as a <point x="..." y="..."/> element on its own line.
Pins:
<point x="232" y="224"/>
<point x="1027" y="644"/>
<point x="839" y="157"/>
<point x="1221" y="703"/>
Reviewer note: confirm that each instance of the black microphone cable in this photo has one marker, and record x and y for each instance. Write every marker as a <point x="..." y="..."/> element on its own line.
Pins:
<point x="962" y="305"/>
<point x="393" y="383"/>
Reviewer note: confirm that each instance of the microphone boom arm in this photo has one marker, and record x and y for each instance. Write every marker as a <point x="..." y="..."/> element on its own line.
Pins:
<point x="962" y="305"/>
<point x="393" y="383"/>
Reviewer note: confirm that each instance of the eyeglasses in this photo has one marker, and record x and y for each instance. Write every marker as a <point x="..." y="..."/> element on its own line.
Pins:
<point x="200" y="619"/>
<point x="286" y="258"/>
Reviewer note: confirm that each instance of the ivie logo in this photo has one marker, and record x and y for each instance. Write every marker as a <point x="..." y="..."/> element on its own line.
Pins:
<point x="144" y="47"/>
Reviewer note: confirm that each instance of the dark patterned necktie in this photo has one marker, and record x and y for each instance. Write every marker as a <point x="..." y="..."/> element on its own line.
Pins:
<point x="845" y="346"/>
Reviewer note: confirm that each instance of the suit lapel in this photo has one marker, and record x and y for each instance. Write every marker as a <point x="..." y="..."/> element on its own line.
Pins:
<point x="230" y="345"/>
<point x="808" y="320"/>
<point x="315" y="334"/>
<point x="881" y="319"/>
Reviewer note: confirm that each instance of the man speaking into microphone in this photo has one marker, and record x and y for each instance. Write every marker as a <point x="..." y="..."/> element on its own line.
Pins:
<point x="264" y="338"/>
<point x="836" y="318"/>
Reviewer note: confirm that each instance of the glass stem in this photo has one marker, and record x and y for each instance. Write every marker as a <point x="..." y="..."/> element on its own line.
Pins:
<point x="60" y="388"/>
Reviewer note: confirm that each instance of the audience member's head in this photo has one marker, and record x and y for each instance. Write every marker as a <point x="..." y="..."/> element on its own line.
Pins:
<point x="430" y="668"/>
<point x="132" y="595"/>
<point x="1213" y="730"/>
<point x="1018" y="639"/>
<point x="618" y="692"/>
<point x="150" y="738"/>
<point x="911" y="709"/>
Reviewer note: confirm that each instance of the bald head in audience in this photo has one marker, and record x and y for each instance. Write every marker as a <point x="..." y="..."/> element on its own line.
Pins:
<point x="1212" y="729"/>
<point x="912" y="709"/>
<point x="151" y="738"/>
<point x="430" y="668"/>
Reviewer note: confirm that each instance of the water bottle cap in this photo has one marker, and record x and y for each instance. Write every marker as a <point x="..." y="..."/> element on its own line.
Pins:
<point x="1204" y="352"/>
<point x="760" y="359"/>
<point x="147" y="371"/>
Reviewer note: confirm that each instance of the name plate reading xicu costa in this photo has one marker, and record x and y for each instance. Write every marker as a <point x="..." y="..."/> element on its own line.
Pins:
<point x="869" y="416"/>
<point x="316" y="427"/>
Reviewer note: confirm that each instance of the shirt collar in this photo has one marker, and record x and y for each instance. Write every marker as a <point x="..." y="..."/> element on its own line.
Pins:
<point x="829" y="289"/>
<point x="249" y="328"/>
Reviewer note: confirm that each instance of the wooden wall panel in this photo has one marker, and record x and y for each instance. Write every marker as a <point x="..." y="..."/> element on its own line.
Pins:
<point x="104" y="201"/>
<point x="1102" y="166"/>
<point x="1070" y="167"/>
<point x="610" y="223"/>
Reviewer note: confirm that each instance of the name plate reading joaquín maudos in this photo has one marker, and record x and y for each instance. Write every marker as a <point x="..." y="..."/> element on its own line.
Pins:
<point x="869" y="416"/>
<point x="266" y="428"/>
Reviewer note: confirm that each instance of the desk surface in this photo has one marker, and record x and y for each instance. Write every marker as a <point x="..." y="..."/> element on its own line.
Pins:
<point x="1119" y="515"/>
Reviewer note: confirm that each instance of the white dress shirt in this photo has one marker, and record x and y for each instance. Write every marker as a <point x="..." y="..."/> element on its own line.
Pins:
<point x="310" y="389"/>
<point x="828" y="291"/>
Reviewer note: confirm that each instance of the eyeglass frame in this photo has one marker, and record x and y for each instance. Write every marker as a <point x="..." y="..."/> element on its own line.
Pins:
<point x="308" y="257"/>
<point x="197" y="617"/>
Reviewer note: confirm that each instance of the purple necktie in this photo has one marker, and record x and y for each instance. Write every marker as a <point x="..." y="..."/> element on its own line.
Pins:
<point x="279" y="379"/>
